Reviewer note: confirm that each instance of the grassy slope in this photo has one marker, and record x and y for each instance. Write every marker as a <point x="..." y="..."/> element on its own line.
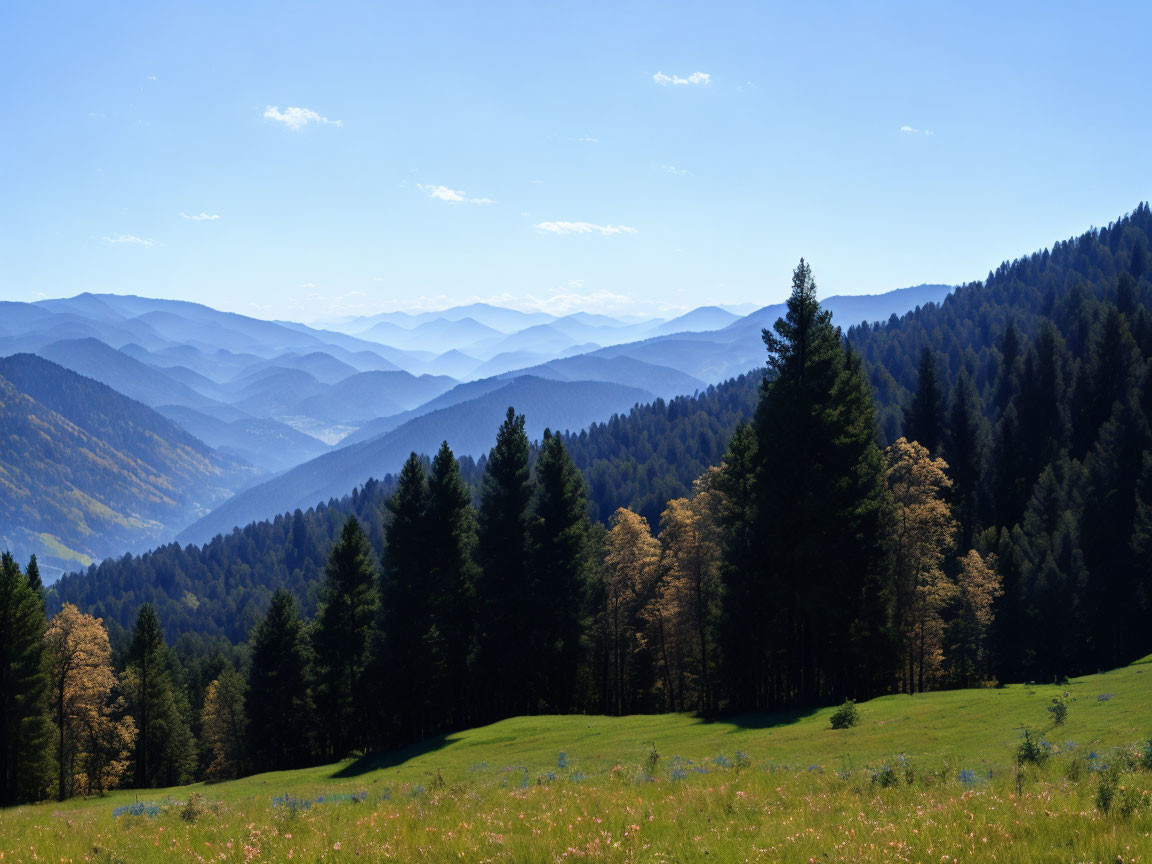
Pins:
<point x="776" y="805"/>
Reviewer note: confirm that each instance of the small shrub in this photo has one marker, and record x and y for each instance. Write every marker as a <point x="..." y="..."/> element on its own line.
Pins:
<point x="1145" y="758"/>
<point x="1104" y="697"/>
<point x="846" y="716"/>
<point x="652" y="761"/>
<point x="195" y="809"/>
<point x="885" y="776"/>
<point x="1059" y="708"/>
<point x="742" y="762"/>
<point x="1031" y="751"/>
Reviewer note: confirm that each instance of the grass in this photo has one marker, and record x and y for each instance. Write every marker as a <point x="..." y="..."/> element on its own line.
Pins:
<point x="672" y="788"/>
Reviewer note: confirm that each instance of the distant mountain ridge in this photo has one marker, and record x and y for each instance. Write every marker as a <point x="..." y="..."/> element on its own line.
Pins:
<point x="87" y="472"/>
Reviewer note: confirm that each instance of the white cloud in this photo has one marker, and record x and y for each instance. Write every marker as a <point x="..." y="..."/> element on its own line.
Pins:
<point x="583" y="228"/>
<point x="672" y="169"/>
<point x="695" y="78"/>
<point x="588" y="139"/>
<point x="201" y="217"/>
<point x="456" y="196"/>
<point x="297" y="118"/>
<point x="912" y="130"/>
<point x="130" y="239"/>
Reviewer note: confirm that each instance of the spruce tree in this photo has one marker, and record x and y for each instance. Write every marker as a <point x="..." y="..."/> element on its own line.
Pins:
<point x="277" y="698"/>
<point x="559" y="531"/>
<point x="964" y="453"/>
<point x="923" y="420"/>
<point x="504" y="591"/>
<point x="165" y="750"/>
<point x="24" y="727"/>
<point x="411" y="649"/>
<point x="32" y="574"/>
<point x="452" y="573"/>
<point x="822" y="519"/>
<point x="341" y="639"/>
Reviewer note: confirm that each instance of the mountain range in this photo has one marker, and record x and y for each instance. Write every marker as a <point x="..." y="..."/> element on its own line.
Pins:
<point x="290" y="414"/>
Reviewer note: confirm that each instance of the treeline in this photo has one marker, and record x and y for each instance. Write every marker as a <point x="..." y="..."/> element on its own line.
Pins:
<point x="1036" y="387"/>
<point x="215" y="593"/>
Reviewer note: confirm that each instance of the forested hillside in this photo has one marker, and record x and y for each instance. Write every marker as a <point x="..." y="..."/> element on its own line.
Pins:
<point x="87" y="472"/>
<point x="221" y="588"/>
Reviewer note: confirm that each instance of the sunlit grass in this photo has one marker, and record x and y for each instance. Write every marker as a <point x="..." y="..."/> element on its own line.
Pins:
<point x="670" y="788"/>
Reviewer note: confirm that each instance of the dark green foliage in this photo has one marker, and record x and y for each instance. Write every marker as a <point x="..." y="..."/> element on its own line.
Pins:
<point x="924" y="418"/>
<point x="24" y="739"/>
<point x="165" y="750"/>
<point x="342" y="691"/>
<point x="277" y="699"/>
<point x="846" y="716"/>
<point x="560" y="573"/>
<point x="504" y="593"/>
<point x="818" y="583"/>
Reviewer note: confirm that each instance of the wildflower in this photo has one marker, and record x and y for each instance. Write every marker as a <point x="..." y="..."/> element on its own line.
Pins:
<point x="336" y="845"/>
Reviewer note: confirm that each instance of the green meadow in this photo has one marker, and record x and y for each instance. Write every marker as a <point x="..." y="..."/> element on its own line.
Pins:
<point x="925" y="778"/>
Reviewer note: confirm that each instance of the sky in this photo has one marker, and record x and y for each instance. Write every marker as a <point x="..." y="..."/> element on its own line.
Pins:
<point x="308" y="161"/>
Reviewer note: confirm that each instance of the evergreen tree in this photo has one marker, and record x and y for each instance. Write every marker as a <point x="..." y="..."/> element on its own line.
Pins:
<point x="24" y="734"/>
<point x="924" y="421"/>
<point x="32" y="574"/>
<point x="277" y="699"/>
<point x="342" y="693"/>
<point x="964" y="453"/>
<point x="165" y="750"/>
<point x="822" y="518"/>
<point x="504" y="591"/>
<point x="452" y="573"/>
<point x="560" y="565"/>
<point x="412" y="653"/>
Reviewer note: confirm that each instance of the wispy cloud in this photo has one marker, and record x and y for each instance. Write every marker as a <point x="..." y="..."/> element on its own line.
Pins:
<point x="130" y="239"/>
<point x="912" y="130"/>
<point x="672" y="169"/>
<point x="200" y="217"/>
<point x="588" y="139"/>
<point x="456" y="196"/>
<point x="695" y="78"/>
<point x="583" y="228"/>
<point x="296" y="118"/>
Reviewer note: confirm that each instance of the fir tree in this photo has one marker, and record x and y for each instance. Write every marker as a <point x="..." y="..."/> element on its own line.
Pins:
<point x="505" y="592"/>
<point x="452" y="573"/>
<point x="923" y="421"/>
<point x="559" y="532"/>
<point x="412" y="649"/>
<point x="165" y="750"/>
<point x="277" y="699"/>
<point x="822" y="518"/>
<point x="341" y="637"/>
<point x="24" y="734"/>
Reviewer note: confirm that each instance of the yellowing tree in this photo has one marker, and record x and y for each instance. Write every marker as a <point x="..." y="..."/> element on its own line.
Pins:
<point x="977" y="587"/>
<point x="222" y="724"/>
<point x="631" y="561"/>
<point x="924" y="531"/>
<point x="92" y="745"/>
<point x="689" y="583"/>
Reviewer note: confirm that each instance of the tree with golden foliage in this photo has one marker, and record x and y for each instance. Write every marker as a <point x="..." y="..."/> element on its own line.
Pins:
<point x="222" y="725"/>
<point x="689" y="585"/>
<point x="977" y="588"/>
<point x="92" y="743"/>
<point x="924" y="532"/>
<point x="631" y="562"/>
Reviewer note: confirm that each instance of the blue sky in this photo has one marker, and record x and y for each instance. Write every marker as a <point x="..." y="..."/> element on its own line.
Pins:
<point x="300" y="160"/>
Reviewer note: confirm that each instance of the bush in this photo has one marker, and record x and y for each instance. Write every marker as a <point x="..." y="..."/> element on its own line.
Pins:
<point x="1031" y="751"/>
<point x="846" y="716"/>
<point x="884" y="777"/>
<point x="1059" y="708"/>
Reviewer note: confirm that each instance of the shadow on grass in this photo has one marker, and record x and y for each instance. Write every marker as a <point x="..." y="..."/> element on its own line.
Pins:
<point x="391" y="758"/>
<point x="748" y="722"/>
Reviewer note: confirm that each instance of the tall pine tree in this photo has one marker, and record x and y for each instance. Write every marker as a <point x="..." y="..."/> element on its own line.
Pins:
<point x="24" y="733"/>
<point x="822" y="580"/>
<point x="923" y="420"/>
<point x="277" y="698"/>
<point x="341" y="635"/>
<point x="504" y="592"/>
